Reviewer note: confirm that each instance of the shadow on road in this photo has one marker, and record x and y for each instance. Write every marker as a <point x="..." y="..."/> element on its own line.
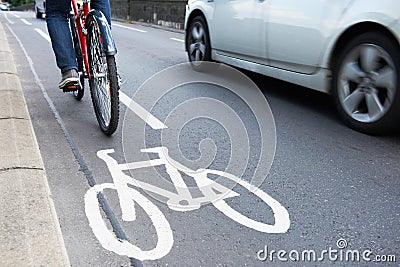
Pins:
<point x="302" y="97"/>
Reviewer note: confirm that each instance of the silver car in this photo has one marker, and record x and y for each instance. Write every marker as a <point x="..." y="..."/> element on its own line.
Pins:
<point x="40" y="8"/>
<point x="4" y="6"/>
<point x="348" y="48"/>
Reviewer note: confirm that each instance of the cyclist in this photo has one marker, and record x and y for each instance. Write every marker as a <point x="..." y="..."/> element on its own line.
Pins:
<point x="57" y="13"/>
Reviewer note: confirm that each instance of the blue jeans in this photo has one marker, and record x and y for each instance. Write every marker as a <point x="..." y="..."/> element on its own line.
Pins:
<point x="57" y="13"/>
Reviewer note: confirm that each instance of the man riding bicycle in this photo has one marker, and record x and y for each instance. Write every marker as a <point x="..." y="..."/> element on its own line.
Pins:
<point x="57" y="13"/>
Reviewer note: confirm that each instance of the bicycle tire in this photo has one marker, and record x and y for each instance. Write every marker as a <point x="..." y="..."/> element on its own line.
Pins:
<point x="103" y="82"/>
<point x="281" y="216"/>
<point x="78" y="94"/>
<point x="123" y="247"/>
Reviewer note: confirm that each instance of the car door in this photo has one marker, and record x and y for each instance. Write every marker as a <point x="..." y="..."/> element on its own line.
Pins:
<point x="298" y="31"/>
<point x="239" y="29"/>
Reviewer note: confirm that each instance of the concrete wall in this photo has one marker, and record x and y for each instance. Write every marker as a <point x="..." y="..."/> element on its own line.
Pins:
<point x="170" y="13"/>
<point x="24" y="7"/>
<point x="160" y="12"/>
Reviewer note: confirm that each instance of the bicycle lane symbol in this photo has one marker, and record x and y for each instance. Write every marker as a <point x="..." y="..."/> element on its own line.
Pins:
<point x="179" y="199"/>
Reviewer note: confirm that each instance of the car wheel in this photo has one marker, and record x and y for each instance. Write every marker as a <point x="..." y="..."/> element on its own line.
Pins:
<point x="365" y="83"/>
<point x="198" y="40"/>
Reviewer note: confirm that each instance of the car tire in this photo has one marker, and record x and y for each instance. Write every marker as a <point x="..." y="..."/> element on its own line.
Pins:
<point x="365" y="83"/>
<point x="198" y="40"/>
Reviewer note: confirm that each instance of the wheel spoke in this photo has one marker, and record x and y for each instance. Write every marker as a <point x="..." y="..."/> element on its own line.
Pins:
<point x="374" y="105"/>
<point x="192" y="48"/>
<point x="104" y="101"/>
<point x="201" y="33"/>
<point x="352" y="101"/>
<point x="197" y="33"/>
<point x="353" y="72"/>
<point x="369" y="56"/>
<point x="197" y="56"/>
<point x="100" y="78"/>
<point x="386" y="78"/>
<point x="202" y="49"/>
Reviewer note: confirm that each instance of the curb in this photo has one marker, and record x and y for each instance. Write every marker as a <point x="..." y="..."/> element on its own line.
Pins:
<point x="30" y="232"/>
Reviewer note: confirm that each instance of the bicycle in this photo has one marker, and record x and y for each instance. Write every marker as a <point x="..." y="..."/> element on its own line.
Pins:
<point x="181" y="200"/>
<point x="95" y="53"/>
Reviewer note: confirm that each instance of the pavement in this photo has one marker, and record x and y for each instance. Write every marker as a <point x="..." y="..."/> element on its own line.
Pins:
<point x="30" y="233"/>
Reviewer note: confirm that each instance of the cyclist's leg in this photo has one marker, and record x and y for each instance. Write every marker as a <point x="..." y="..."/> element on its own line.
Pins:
<point x="57" y="12"/>
<point x="104" y="7"/>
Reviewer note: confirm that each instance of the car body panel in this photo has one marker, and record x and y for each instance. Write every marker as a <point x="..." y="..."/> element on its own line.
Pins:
<point x="294" y="45"/>
<point x="297" y="35"/>
<point x="247" y="21"/>
<point x="385" y="14"/>
<point x="204" y="7"/>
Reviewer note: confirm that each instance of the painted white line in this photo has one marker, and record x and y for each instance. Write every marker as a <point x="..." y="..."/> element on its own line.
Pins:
<point x="178" y="40"/>
<point x="15" y="15"/>
<point x="129" y="28"/>
<point x="152" y="121"/>
<point x="26" y="22"/>
<point x="9" y="21"/>
<point x="43" y="34"/>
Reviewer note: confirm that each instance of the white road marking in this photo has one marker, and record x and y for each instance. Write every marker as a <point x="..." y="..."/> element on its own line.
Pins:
<point x="178" y="40"/>
<point x="9" y="21"/>
<point x="123" y="247"/>
<point x="129" y="28"/>
<point x="15" y="15"/>
<point x="26" y="22"/>
<point x="130" y="197"/>
<point x="146" y="116"/>
<point x="43" y="34"/>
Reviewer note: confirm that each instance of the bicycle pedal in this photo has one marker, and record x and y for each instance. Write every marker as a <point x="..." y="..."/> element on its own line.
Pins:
<point x="72" y="88"/>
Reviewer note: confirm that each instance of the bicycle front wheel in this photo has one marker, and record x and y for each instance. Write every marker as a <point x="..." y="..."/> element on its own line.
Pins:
<point x="103" y="81"/>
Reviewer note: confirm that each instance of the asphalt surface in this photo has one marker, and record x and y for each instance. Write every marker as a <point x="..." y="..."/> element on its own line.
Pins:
<point x="336" y="184"/>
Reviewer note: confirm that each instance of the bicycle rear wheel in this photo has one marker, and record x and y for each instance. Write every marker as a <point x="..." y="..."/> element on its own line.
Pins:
<point x="104" y="87"/>
<point x="78" y="94"/>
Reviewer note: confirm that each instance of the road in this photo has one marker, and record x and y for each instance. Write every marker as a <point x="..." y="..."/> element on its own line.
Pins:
<point x="340" y="188"/>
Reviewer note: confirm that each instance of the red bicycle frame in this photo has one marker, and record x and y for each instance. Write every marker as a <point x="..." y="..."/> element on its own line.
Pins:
<point x="80" y="15"/>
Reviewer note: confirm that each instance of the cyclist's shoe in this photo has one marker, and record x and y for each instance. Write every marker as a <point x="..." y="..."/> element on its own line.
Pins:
<point x="69" y="81"/>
